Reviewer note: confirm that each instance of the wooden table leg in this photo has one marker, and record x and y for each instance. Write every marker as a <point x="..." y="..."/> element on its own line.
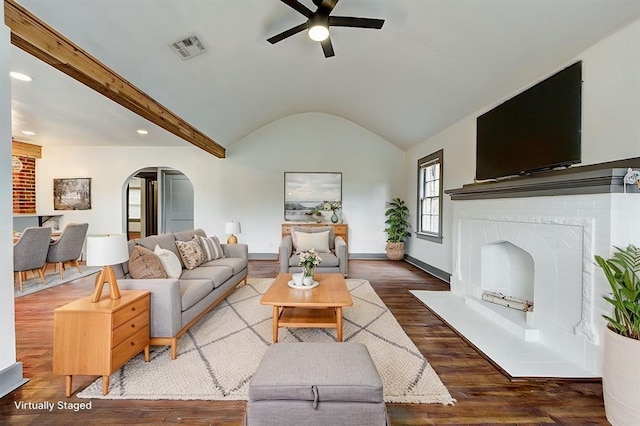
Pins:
<point x="276" y="314"/>
<point x="339" y="323"/>
<point x="105" y="385"/>
<point x="147" y="355"/>
<point x="67" y="385"/>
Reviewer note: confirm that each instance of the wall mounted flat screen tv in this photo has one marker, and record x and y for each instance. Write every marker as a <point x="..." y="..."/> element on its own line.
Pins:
<point x="538" y="129"/>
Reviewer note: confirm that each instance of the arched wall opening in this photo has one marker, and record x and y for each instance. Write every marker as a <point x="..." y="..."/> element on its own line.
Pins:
<point x="157" y="200"/>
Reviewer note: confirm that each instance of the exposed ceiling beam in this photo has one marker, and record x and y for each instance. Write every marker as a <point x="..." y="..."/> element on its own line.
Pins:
<point x="32" y="35"/>
<point x="26" y="149"/>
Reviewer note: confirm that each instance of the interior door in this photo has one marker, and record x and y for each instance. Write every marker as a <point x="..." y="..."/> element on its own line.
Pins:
<point x="177" y="201"/>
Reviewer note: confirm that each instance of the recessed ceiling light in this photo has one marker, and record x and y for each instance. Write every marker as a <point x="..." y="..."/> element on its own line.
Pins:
<point x="142" y="132"/>
<point x="20" y="76"/>
<point x="28" y="133"/>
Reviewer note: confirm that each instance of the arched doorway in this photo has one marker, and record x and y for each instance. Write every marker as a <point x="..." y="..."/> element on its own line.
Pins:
<point x="158" y="200"/>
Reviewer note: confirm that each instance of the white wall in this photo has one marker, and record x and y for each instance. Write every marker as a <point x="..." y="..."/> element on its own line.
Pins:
<point x="610" y="130"/>
<point x="248" y="185"/>
<point x="7" y="328"/>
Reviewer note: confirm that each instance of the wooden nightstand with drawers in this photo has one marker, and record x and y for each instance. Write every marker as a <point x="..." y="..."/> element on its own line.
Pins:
<point x="98" y="338"/>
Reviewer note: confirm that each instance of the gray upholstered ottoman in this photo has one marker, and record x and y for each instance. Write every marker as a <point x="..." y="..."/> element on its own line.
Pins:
<point x="316" y="384"/>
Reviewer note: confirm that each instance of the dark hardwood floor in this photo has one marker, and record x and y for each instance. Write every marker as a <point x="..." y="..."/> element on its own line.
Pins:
<point x="483" y="394"/>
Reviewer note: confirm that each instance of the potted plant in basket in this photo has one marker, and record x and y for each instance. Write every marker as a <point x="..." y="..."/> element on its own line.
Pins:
<point x="397" y="228"/>
<point x="620" y="372"/>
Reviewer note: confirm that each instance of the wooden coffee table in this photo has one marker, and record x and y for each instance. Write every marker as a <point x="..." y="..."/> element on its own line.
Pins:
<point x="319" y="307"/>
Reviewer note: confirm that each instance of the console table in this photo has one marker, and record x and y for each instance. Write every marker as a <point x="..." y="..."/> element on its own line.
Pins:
<point x="98" y="338"/>
<point x="340" y="229"/>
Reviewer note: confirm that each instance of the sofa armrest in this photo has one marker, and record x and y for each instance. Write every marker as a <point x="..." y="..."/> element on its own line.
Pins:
<point x="342" y="255"/>
<point x="284" y="253"/>
<point x="236" y="250"/>
<point x="166" y="304"/>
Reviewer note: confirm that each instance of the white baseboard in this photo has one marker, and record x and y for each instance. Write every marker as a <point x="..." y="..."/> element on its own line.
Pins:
<point x="11" y="379"/>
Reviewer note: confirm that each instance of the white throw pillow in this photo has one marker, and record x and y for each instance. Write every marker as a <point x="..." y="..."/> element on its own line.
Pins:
<point x="319" y="241"/>
<point x="170" y="262"/>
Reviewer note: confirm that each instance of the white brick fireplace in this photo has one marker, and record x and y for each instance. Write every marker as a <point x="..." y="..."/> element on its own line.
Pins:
<point x="541" y="248"/>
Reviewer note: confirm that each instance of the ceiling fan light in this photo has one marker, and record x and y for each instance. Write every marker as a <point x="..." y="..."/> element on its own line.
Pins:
<point x="318" y="32"/>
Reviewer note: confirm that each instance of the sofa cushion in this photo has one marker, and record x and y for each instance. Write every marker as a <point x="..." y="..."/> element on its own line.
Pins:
<point x="328" y="260"/>
<point x="236" y="264"/>
<point x="170" y="262"/>
<point x="190" y="253"/>
<point x="188" y="235"/>
<point x="332" y="233"/>
<point x="217" y="274"/>
<point x="319" y="241"/>
<point x="211" y="248"/>
<point x="192" y="291"/>
<point x="143" y="264"/>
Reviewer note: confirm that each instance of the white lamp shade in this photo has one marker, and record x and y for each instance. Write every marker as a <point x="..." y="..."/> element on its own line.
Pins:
<point x="103" y="250"/>
<point x="232" y="228"/>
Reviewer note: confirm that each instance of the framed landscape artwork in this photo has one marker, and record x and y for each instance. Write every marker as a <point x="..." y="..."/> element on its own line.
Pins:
<point x="72" y="194"/>
<point x="304" y="192"/>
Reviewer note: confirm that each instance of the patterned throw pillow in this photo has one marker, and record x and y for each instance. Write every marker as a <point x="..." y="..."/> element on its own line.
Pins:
<point x="170" y="262"/>
<point x="211" y="248"/>
<point x="144" y="264"/>
<point x="190" y="252"/>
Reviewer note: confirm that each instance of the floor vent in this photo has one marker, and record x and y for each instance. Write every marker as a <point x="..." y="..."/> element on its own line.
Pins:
<point x="188" y="47"/>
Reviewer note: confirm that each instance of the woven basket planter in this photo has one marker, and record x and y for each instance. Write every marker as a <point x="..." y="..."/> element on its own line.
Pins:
<point x="395" y="251"/>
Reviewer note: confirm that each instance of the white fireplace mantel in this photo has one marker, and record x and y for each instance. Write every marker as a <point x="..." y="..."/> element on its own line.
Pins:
<point x="560" y="220"/>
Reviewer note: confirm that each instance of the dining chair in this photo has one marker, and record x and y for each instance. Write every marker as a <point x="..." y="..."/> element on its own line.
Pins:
<point x="30" y="252"/>
<point x="68" y="247"/>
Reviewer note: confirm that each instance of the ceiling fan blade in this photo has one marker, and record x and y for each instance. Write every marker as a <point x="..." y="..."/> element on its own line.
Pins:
<point x="288" y="33"/>
<point x="299" y="7"/>
<point x="327" y="48"/>
<point x="349" y="21"/>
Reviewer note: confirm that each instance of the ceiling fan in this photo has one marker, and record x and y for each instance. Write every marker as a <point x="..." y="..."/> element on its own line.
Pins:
<point x="318" y="23"/>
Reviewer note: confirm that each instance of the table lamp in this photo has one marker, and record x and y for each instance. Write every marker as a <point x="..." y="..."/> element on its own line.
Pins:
<point x="232" y="228"/>
<point x="106" y="250"/>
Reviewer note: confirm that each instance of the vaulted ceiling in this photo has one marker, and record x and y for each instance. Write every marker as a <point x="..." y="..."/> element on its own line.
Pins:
<point x="432" y="63"/>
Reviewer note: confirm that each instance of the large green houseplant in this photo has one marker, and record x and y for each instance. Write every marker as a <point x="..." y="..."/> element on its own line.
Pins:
<point x="620" y="373"/>
<point x="397" y="229"/>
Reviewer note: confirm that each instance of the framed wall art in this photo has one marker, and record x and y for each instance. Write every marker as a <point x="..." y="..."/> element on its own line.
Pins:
<point x="72" y="194"/>
<point x="305" y="191"/>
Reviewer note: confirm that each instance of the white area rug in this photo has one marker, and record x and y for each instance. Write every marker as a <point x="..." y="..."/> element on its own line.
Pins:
<point x="219" y="355"/>
<point x="34" y="285"/>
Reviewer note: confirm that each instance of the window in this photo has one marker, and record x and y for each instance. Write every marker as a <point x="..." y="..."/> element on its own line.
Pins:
<point x="430" y="197"/>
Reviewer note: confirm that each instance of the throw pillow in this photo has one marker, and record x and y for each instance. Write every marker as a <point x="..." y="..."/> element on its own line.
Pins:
<point x="170" y="262"/>
<point x="144" y="264"/>
<point x="211" y="248"/>
<point x="190" y="252"/>
<point x="319" y="241"/>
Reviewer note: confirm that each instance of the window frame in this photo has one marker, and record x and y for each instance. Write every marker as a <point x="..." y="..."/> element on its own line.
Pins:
<point x="433" y="158"/>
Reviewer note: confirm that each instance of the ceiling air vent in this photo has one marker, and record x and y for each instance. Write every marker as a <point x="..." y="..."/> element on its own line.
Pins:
<point x="188" y="47"/>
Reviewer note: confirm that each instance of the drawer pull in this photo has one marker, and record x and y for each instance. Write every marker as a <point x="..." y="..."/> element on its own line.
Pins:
<point x="133" y="343"/>
<point x="133" y="309"/>
<point x="133" y="326"/>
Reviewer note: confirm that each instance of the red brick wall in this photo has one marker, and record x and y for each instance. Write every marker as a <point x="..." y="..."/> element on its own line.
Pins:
<point x="24" y="187"/>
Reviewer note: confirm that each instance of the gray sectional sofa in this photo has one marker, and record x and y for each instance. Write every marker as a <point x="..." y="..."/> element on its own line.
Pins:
<point x="177" y="304"/>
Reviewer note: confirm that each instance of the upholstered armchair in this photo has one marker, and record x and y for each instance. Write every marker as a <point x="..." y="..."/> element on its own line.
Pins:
<point x="68" y="247"/>
<point x="30" y="252"/>
<point x="331" y="249"/>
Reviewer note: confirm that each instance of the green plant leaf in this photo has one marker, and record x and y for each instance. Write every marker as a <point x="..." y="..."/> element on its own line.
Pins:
<point x="622" y="272"/>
